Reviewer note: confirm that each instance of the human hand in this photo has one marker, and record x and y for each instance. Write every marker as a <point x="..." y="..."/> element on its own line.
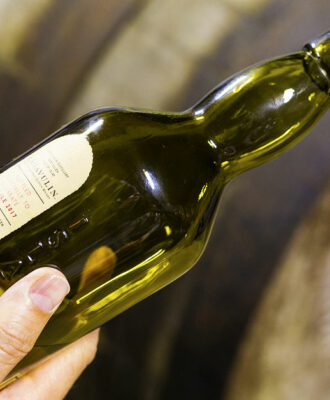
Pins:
<point x="25" y="309"/>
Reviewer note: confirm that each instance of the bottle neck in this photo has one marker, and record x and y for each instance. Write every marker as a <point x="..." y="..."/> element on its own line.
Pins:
<point x="319" y="50"/>
<point x="262" y="111"/>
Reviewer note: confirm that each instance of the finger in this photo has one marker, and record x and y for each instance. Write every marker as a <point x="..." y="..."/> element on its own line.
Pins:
<point x="53" y="379"/>
<point x="25" y="309"/>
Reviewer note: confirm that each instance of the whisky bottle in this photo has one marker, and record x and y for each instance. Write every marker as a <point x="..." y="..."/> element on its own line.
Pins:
<point x="123" y="200"/>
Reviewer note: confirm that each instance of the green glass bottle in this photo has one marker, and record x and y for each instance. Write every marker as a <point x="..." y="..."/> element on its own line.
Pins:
<point x="123" y="200"/>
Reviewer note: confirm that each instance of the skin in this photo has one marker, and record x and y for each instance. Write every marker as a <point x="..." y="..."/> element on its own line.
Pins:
<point x="21" y="322"/>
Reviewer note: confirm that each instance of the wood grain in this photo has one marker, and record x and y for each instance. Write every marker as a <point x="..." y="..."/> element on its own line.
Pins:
<point x="153" y="58"/>
<point x="17" y="18"/>
<point x="286" y="354"/>
<point x="50" y="60"/>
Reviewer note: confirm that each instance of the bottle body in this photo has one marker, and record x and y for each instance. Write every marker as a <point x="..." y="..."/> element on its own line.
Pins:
<point x="139" y="211"/>
<point x="139" y="220"/>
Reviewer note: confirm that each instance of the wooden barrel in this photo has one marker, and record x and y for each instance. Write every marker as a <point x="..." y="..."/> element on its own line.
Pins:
<point x="61" y="58"/>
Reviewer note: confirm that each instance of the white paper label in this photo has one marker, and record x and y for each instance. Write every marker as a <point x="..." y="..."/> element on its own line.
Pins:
<point x="42" y="179"/>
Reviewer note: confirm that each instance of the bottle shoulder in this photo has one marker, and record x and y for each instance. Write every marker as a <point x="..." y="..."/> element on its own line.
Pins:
<point x="170" y="160"/>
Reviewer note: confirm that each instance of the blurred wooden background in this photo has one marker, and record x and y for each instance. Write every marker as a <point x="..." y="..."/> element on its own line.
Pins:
<point x="251" y="320"/>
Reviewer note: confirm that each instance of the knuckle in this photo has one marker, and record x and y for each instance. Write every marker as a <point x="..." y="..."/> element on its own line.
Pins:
<point x="13" y="343"/>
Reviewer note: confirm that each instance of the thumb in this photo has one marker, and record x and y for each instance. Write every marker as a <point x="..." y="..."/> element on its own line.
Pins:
<point x="25" y="308"/>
